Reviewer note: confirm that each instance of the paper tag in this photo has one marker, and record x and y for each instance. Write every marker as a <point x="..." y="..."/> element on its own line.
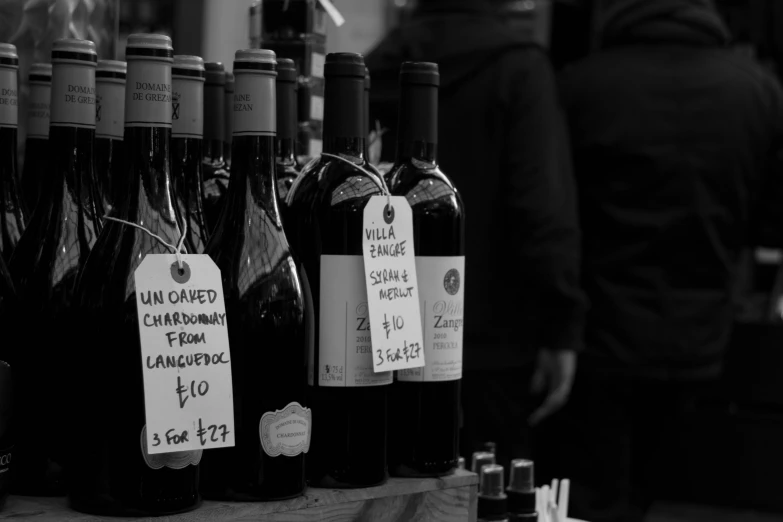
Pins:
<point x="287" y="431"/>
<point x="185" y="357"/>
<point x="442" y="294"/>
<point x="392" y="289"/>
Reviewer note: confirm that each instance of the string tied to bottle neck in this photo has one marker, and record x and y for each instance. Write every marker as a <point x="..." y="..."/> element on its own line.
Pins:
<point x="177" y="249"/>
<point x="385" y="189"/>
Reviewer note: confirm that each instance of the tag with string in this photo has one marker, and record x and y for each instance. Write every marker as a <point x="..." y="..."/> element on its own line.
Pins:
<point x="390" y="276"/>
<point x="185" y="356"/>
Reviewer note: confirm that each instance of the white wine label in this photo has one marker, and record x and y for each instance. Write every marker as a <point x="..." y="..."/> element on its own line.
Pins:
<point x="317" y="65"/>
<point x="110" y="108"/>
<point x="148" y="99"/>
<point x="187" y="108"/>
<point x="173" y="460"/>
<point x="287" y="431"/>
<point x="441" y="295"/>
<point x="317" y="108"/>
<point x="392" y="287"/>
<point x="254" y="105"/>
<point x="9" y="98"/>
<point x="73" y="95"/>
<point x="38" y="110"/>
<point x="185" y="357"/>
<point x="344" y="342"/>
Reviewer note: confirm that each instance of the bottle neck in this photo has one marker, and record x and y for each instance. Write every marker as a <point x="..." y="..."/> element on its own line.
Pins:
<point x="214" y="122"/>
<point x="417" y="137"/>
<point x="286" y="122"/>
<point x="8" y="174"/>
<point x="344" y="128"/>
<point x="286" y="151"/>
<point x="253" y="175"/>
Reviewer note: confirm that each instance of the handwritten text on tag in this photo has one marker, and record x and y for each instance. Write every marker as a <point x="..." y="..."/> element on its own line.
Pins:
<point x="185" y="358"/>
<point x="392" y="289"/>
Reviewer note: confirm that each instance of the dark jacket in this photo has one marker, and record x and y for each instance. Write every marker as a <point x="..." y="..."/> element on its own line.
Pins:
<point x="674" y="136"/>
<point x="502" y="142"/>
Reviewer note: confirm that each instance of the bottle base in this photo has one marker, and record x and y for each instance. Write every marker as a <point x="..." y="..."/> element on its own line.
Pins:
<point x="109" y="507"/>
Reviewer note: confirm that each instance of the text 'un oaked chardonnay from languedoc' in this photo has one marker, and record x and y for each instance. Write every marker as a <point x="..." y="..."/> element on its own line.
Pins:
<point x="115" y="473"/>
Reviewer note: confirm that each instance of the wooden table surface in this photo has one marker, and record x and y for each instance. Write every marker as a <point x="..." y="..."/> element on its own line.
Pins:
<point x="447" y="499"/>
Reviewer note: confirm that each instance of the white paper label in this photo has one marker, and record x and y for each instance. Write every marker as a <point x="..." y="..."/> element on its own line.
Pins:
<point x="110" y="108"/>
<point x="344" y="342"/>
<point x="287" y="431"/>
<point x="73" y="95"/>
<point x="173" y="460"/>
<point x="317" y="65"/>
<point x="316" y="108"/>
<point x="187" y="107"/>
<point x="392" y="289"/>
<point x="254" y="105"/>
<point x="315" y="147"/>
<point x="185" y="356"/>
<point x="38" y="110"/>
<point x="441" y="295"/>
<point x="9" y="98"/>
<point x="148" y="102"/>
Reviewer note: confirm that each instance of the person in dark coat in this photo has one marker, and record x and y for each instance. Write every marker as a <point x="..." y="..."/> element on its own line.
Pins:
<point x="503" y="143"/>
<point x="675" y="136"/>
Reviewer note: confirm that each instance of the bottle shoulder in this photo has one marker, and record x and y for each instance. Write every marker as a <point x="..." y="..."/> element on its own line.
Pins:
<point x="336" y="183"/>
<point x="424" y="186"/>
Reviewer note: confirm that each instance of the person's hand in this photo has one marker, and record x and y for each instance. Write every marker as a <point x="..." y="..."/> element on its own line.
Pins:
<point x="554" y="375"/>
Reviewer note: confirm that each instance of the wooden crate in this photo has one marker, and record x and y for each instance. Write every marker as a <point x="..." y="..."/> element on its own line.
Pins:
<point x="447" y="499"/>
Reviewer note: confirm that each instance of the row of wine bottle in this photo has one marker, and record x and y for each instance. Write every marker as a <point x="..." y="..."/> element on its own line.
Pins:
<point x="293" y="284"/>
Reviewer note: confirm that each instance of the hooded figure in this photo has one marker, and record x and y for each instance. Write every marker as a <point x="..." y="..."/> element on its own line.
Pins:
<point x="674" y="135"/>
<point x="502" y="142"/>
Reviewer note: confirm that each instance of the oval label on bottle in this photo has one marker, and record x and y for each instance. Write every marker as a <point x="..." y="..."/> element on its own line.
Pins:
<point x="173" y="460"/>
<point x="110" y="108"/>
<point x="9" y="98"/>
<point x="38" y="110"/>
<point x="73" y="95"/>
<point x="187" y="113"/>
<point x="253" y="110"/>
<point x="148" y="94"/>
<point x="286" y="432"/>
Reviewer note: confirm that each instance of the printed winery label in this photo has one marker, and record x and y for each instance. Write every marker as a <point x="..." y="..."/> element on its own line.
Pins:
<point x="441" y="298"/>
<point x="185" y="357"/>
<point x="392" y="284"/>
<point x="9" y="98"/>
<point x="148" y="99"/>
<point x="110" y="108"/>
<point x="187" y="112"/>
<point x="73" y="96"/>
<point x="287" y="431"/>
<point x="38" y="110"/>
<point x="173" y="460"/>
<point x="253" y="107"/>
<point x="345" y="350"/>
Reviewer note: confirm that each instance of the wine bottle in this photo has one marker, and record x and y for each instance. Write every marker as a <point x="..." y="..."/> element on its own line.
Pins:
<point x="265" y="302"/>
<point x="110" y="130"/>
<point x="36" y="147"/>
<point x="7" y="326"/>
<point x="287" y="170"/>
<point x="228" y="114"/>
<point x="424" y="403"/>
<point x="46" y="265"/>
<point x="366" y="108"/>
<point x="187" y="129"/>
<point x="215" y="174"/>
<point x="12" y="214"/>
<point x="325" y="217"/>
<point x="112" y="472"/>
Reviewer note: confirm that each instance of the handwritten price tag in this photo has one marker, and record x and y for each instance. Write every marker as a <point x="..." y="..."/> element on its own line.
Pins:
<point x="185" y="358"/>
<point x="392" y="289"/>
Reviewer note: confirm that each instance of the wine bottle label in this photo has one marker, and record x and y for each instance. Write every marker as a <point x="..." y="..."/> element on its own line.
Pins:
<point x="187" y="112"/>
<point x="73" y="95"/>
<point x="254" y="105"/>
<point x="441" y="296"/>
<point x="286" y="432"/>
<point x="392" y="284"/>
<point x="317" y="108"/>
<point x="9" y="98"/>
<point x="110" y="108"/>
<point x="185" y="356"/>
<point x="173" y="460"/>
<point x="148" y="94"/>
<point x="344" y="341"/>
<point x="38" y="111"/>
<point x="317" y="61"/>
